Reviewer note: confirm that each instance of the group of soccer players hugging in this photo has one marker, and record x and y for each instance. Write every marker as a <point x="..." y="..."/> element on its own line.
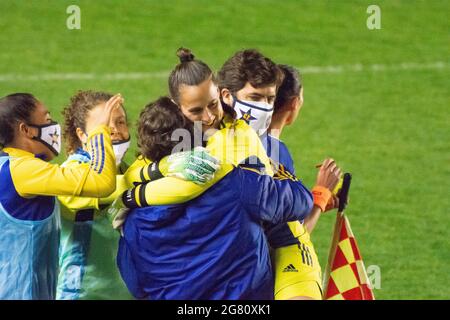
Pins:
<point x="210" y="209"/>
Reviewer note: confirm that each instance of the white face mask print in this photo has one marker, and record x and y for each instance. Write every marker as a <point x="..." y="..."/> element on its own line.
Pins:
<point x="49" y="135"/>
<point x="120" y="148"/>
<point x="257" y="114"/>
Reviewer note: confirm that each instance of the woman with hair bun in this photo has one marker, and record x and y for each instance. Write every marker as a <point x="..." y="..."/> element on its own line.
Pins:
<point x="193" y="89"/>
<point x="214" y="246"/>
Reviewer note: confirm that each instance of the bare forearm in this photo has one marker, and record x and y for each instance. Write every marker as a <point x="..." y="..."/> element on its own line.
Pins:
<point x="311" y="221"/>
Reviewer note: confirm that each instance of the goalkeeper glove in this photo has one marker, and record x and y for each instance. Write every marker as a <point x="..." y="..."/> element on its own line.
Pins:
<point x="195" y="165"/>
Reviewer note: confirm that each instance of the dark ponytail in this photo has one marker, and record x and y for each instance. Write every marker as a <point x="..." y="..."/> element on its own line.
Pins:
<point x="185" y="55"/>
<point x="14" y="108"/>
<point x="290" y="87"/>
<point x="189" y="71"/>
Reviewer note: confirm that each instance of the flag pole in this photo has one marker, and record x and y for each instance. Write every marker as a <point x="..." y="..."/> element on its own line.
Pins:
<point x="343" y="201"/>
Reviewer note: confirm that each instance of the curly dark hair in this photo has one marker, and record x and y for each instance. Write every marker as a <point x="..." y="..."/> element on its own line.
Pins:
<point x="75" y="115"/>
<point x="248" y="66"/>
<point x="157" y="122"/>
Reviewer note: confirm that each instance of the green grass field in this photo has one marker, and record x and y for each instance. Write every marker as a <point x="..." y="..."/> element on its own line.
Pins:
<point x="388" y="125"/>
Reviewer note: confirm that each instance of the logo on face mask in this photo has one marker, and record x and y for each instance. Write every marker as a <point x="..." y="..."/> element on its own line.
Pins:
<point x="120" y="148"/>
<point x="247" y="116"/>
<point x="257" y="114"/>
<point x="50" y="136"/>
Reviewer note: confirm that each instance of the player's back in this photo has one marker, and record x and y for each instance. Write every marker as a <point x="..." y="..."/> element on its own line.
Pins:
<point x="208" y="248"/>
<point x="212" y="247"/>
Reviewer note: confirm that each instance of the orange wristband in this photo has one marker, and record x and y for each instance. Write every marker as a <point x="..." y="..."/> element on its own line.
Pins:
<point x="321" y="197"/>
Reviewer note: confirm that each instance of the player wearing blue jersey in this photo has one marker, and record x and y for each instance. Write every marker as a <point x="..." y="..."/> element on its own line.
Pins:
<point x="249" y="83"/>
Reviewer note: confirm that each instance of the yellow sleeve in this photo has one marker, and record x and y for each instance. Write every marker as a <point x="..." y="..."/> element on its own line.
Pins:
<point x="139" y="171"/>
<point x="168" y="190"/>
<point x="171" y="190"/>
<point x="232" y="144"/>
<point x="134" y="173"/>
<point x="236" y="142"/>
<point x="33" y="176"/>
<point x="121" y="187"/>
<point x="76" y="203"/>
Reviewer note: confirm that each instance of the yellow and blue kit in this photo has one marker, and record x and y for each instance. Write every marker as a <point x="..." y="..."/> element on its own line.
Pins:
<point x="296" y="265"/>
<point x="87" y="263"/>
<point x="30" y="213"/>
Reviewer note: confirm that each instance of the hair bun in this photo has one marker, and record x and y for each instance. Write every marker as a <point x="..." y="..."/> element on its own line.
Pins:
<point x="185" y="55"/>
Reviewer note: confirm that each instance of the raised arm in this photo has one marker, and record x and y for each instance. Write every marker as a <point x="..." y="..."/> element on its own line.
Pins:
<point x="76" y="203"/>
<point x="325" y="199"/>
<point x="96" y="179"/>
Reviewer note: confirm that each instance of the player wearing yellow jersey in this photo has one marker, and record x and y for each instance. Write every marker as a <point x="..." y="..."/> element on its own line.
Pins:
<point x="87" y="267"/>
<point x="297" y="269"/>
<point x="29" y="212"/>
<point x="193" y="89"/>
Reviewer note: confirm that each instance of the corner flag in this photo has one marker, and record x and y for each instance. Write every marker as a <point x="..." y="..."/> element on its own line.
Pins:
<point x="345" y="276"/>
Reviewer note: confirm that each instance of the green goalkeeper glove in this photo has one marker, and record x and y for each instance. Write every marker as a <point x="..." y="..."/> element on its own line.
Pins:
<point x="196" y="165"/>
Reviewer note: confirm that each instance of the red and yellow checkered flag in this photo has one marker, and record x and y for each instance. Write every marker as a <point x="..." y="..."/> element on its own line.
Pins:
<point x="345" y="275"/>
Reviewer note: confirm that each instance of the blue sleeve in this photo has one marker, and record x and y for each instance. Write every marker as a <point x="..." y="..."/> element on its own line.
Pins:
<point x="275" y="200"/>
